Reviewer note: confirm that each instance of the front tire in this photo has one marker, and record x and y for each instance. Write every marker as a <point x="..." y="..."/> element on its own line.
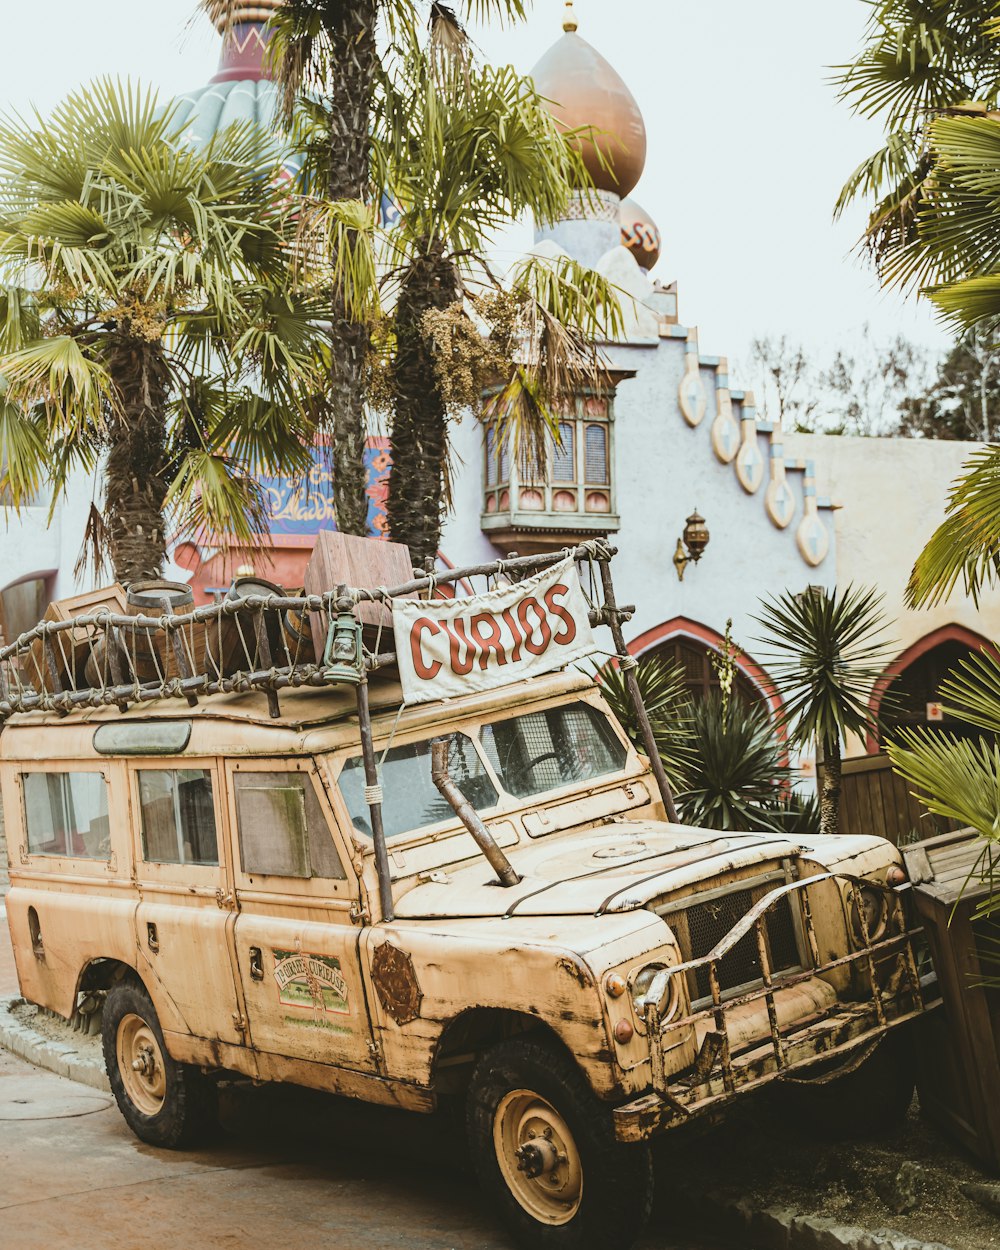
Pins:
<point x="164" y="1103"/>
<point x="545" y="1153"/>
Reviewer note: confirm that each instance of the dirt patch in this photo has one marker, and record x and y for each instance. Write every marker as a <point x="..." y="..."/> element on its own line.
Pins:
<point x="760" y="1156"/>
<point x="54" y="1028"/>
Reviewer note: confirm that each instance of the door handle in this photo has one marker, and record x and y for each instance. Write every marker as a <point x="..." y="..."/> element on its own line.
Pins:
<point x="152" y="938"/>
<point x="256" y="964"/>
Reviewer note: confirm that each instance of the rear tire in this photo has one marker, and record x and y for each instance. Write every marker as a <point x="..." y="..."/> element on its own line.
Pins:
<point x="872" y="1101"/>
<point x="164" y="1103"/>
<point x="545" y="1153"/>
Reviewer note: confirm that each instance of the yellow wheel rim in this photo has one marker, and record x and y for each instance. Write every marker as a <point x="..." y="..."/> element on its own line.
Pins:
<point x="538" y="1157"/>
<point x="140" y="1062"/>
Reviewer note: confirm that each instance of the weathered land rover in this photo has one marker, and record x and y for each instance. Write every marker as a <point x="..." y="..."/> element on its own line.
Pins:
<point x="289" y="873"/>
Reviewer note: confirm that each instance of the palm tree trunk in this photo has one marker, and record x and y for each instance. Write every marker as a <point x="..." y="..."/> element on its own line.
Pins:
<point x="135" y="477"/>
<point x="829" y="799"/>
<point x="351" y="26"/>
<point x="419" y="427"/>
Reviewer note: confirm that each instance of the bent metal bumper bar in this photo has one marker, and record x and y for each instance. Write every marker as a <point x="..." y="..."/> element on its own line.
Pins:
<point x="720" y="1073"/>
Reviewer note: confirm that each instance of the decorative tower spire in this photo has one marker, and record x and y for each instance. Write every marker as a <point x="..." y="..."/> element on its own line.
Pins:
<point x="569" y="18"/>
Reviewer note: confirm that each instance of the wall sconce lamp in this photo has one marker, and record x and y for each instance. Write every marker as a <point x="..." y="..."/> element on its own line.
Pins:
<point x="692" y="543"/>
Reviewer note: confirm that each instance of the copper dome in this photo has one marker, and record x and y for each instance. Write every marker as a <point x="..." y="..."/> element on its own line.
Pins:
<point x="585" y="90"/>
<point x="640" y="233"/>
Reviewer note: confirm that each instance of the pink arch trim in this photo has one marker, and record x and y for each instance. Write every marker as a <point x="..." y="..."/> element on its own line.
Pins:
<point x="945" y="633"/>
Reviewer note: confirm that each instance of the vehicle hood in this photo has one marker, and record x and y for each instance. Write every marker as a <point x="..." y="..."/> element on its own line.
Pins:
<point x="611" y="869"/>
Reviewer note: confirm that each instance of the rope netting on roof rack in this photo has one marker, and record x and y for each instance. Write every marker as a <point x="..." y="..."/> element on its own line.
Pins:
<point x="144" y="649"/>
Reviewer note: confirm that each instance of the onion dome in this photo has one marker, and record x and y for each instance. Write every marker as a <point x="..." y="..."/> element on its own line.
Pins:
<point x="640" y="234"/>
<point x="584" y="90"/>
<point x="242" y="90"/>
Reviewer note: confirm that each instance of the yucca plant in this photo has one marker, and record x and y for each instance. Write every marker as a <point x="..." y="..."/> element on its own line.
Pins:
<point x="825" y="650"/>
<point x="668" y="704"/>
<point x="737" y="778"/>
<point x="155" y="315"/>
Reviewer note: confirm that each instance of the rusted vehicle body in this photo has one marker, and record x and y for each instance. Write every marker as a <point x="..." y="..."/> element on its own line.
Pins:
<point x="211" y="875"/>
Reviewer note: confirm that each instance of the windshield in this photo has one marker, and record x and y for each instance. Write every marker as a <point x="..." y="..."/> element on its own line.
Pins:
<point x="411" y="800"/>
<point x="530" y="754"/>
<point x="545" y="750"/>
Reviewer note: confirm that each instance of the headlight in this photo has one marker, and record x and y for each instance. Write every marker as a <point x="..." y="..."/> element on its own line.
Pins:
<point x="875" y="908"/>
<point x="640" y="984"/>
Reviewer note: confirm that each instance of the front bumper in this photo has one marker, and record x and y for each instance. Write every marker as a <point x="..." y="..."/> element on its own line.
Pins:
<point x="845" y="1031"/>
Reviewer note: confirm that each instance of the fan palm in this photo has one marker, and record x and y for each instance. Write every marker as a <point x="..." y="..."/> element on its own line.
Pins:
<point x="326" y="50"/>
<point x="152" y="315"/>
<point x="825" y="651"/>
<point x="466" y="149"/>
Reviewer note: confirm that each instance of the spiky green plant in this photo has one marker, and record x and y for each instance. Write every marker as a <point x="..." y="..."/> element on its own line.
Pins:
<point x="824" y="652"/>
<point x="737" y="776"/>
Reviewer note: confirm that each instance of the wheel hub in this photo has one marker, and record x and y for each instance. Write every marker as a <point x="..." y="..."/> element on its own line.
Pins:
<point x="538" y="1157"/>
<point x="140" y="1063"/>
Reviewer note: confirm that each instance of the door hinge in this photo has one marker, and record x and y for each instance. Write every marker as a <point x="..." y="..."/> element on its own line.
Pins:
<point x="375" y="1050"/>
<point x="359" y="912"/>
<point x="223" y="900"/>
<point x="239" y="1022"/>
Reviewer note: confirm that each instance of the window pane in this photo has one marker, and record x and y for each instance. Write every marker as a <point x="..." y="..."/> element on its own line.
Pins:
<point x="282" y="829"/>
<point x="597" y="455"/>
<point x="412" y="800"/>
<point x="563" y="457"/>
<point x="545" y="750"/>
<point x="67" y="814"/>
<point x="491" y="458"/>
<point x="178" y="816"/>
<point x="505" y="462"/>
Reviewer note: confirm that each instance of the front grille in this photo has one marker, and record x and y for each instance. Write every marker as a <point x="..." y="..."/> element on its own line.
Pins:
<point x="702" y="926"/>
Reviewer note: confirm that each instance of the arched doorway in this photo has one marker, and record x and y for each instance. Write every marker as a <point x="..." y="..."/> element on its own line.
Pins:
<point x="910" y="692"/>
<point x="693" y="646"/>
<point x="23" y="604"/>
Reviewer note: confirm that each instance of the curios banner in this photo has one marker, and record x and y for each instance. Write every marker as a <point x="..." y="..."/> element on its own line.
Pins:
<point x="454" y="646"/>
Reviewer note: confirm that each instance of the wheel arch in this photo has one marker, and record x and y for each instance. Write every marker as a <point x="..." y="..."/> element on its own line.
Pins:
<point x="475" y="1029"/>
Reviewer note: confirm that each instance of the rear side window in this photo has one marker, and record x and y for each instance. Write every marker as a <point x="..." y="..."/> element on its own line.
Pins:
<point x="67" y="814"/>
<point x="543" y="751"/>
<point x="282" y="829"/>
<point x="178" y="816"/>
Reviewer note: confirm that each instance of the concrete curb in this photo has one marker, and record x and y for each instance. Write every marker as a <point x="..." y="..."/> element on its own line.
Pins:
<point x="778" y="1228"/>
<point x="62" y="1058"/>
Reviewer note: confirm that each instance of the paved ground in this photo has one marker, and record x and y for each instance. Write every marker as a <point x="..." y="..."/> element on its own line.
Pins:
<point x="293" y="1170"/>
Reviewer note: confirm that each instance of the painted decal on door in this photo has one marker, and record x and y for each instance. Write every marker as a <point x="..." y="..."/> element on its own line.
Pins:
<point x="311" y="982"/>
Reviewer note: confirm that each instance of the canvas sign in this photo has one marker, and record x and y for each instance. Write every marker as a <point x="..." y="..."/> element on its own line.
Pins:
<point x="454" y="646"/>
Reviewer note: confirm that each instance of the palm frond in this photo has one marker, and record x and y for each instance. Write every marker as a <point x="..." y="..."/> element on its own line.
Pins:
<point x="966" y="545"/>
<point x="665" y="696"/>
<point x="958" y="778"/>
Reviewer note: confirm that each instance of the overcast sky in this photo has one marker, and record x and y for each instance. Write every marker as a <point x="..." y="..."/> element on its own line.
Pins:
<point x="747" y="143"/>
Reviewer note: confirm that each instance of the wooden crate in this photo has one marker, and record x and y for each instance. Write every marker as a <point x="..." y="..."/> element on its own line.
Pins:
<point x="959" y="1045"/>
<point x="344" y="559"/>
<point x="71" y="649"/>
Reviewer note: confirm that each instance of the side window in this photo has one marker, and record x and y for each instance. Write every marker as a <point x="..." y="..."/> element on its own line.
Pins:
<point x="178" y="816"/>
<point x="282" y="829"/>
<point x="67" y="814"/>
<point x="412" y="800"/>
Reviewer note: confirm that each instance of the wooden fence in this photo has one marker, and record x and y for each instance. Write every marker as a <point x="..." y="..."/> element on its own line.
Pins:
<point x="875" y="800"/>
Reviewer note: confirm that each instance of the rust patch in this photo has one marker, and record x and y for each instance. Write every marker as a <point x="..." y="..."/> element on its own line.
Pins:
<point x="574" y="968"/>
<point x="395" y="982"/>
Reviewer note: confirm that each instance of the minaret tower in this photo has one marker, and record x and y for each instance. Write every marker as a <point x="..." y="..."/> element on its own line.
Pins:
<point x="586" y="91"/>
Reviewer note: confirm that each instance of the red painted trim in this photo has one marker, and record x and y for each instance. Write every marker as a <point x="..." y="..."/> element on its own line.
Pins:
<point x="946" y="633"/>
<point x="682" y="627"/>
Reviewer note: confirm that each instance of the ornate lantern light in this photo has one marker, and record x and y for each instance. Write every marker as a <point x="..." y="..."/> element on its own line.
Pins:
<point x="692" y="543"/>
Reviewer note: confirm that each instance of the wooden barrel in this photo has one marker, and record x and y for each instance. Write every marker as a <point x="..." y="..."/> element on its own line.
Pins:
<point x="232" y="644"/>
<point x="149" y="652"/>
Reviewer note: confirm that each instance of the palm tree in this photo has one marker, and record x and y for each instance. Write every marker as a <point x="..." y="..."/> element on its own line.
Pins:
<point x="825" y="651"/>
<point x="667" y="702"/>
<point x="326" y="54"/>
<point x="921" y="58"/>
<point x="154" y="313"/>
<point x="466" y="149"/>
